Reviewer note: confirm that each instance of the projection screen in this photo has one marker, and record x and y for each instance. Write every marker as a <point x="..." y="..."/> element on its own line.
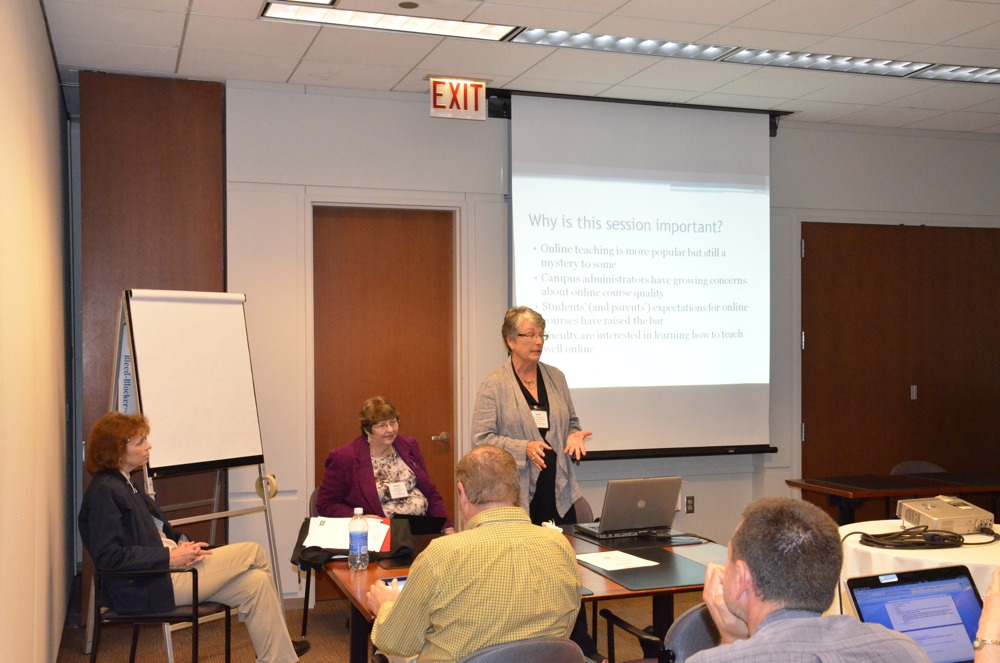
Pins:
<point x="642" y="234"/>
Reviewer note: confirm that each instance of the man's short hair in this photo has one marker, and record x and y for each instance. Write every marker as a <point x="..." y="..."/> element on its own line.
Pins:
<point x="489" y="475"/>
<point x="793" y="550"/>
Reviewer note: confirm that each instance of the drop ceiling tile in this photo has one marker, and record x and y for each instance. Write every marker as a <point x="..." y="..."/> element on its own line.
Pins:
<point x="736" y="101"/>
<point x="649" y="94"/>
<point x="274" y="38"/>
<point x="223" y="65"/>
<point x="779" y="82"/>
<point x="817" y="111"/>
<point x="371" y="47"/>
<point x="948" y="96"/>
<point x="589" y="66"/>
<point x="754" y="38"/>
<point x="866" y="89"/>
<point x="979" y="57"/>
<point x="885" y="117"/>
<point x="469" y="55"/>
<point x="927" y="21"/>
<point x="957" y="121"/>
<point x="987" y="36"/>
<point x="576" y="88"/>
<point x="151" y="5"/>
<point x="645" y="28"/>
<point x="351" y="76"/>
<point x="534" y="17"/>
<point x="228" y="8"/>
<point x="692" y="75"/>
<point x="716" y="12"/>
<point x="815" y="16"/>
<point x="88" y="55"/>
<point x="118" y="25"/>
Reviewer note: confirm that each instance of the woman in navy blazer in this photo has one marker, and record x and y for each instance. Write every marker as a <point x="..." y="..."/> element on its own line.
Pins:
<point x="125" y="530"/>
<point x="403" y="485"/>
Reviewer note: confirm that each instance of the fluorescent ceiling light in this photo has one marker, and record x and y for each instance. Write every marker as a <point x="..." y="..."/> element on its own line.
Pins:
<point x="309" y="11"/>
<point x="950" y="72"/>
<point x="597" y="42"/>
<point x="378" y="21"/>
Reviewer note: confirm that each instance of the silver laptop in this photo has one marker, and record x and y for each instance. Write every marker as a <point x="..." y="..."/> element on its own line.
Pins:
<point x="635" y="506"/>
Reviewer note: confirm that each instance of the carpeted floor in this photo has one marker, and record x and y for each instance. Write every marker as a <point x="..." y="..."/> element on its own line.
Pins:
<point x="327" y="634"/>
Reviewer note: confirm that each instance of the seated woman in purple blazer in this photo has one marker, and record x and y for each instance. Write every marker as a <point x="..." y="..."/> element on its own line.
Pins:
<point x="380" y="471"/>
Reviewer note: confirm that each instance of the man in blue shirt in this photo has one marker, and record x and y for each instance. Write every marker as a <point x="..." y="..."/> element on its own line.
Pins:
<point x="780" y="576"/>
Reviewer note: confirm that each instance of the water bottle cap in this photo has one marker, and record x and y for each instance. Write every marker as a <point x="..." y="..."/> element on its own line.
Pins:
<point x="358" y="511"/>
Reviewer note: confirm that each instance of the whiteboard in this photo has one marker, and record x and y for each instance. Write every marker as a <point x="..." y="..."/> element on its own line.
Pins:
<point x="193" y="379"/>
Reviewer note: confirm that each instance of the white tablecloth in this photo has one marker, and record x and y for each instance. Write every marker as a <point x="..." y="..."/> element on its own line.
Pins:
<point x="860" y="560"/>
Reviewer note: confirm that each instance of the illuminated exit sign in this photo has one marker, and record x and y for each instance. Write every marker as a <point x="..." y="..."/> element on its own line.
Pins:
<point x="458" y="98"/>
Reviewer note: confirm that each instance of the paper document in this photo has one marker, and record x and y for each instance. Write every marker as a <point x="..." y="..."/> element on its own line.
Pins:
<point x="704" y="553"/>
<point x="614" y="560"/>
<point x="332" y="533"/>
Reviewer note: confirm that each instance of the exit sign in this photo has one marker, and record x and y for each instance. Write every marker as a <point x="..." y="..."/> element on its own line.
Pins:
<point x="458" y="98"/>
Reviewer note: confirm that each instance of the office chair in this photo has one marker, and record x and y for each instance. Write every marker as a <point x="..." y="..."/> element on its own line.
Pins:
<point x="185" y="613"/>
<point x="550" y="650"/>
<point x="693" y="631"/>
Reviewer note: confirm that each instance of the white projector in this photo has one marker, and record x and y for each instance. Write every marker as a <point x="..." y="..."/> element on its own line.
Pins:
<point x="950" y="514"/>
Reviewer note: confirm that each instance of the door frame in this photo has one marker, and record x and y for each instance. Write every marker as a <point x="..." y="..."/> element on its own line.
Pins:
<point x="463" y="313"/>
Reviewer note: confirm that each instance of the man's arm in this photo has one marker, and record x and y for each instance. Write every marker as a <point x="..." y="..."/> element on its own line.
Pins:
<point x="731" y="627"/>
<point x="402" y="617"/>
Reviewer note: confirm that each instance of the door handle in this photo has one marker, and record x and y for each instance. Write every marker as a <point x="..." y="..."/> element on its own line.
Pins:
<point x="443" y="437"/>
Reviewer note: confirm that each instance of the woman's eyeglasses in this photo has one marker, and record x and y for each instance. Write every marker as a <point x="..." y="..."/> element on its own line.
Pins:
<point x="383" y="425"/>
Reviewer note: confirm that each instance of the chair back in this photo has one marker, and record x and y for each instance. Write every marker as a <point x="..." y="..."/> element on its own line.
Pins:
<point x="584" y="513"/>
<point x="692" y="632"/>
<point x="312" y="503"/>
<point x="550" y="650"/>
<point x="916" y="467"/>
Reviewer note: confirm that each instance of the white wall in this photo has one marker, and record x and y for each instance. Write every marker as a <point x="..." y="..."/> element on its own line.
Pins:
<point x="34" y="553"/>
<point x="291" y="147"/>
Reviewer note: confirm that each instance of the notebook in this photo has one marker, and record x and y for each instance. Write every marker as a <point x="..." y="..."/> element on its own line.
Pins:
<point x="938" y="608"/>
<point x="635" y="506"/>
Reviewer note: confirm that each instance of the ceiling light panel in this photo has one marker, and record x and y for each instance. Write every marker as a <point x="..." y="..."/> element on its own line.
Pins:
<point x="378" y="21"/>
<point x="597" y="42"/>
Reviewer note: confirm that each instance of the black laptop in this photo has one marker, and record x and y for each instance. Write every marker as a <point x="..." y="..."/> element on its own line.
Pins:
<point x="635" y="506"/>
<point x="938" y="608"/>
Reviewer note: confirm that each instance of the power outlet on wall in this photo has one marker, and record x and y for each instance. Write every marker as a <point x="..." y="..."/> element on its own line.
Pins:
<point x="689" y="504"/>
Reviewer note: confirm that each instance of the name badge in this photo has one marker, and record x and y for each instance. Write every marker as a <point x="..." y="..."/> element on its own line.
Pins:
<point x="397" y="490"/>
<point x="541" y="418"/>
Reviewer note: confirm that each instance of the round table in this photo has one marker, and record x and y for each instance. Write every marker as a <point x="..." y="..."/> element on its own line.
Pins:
<point x="861" y="560"/>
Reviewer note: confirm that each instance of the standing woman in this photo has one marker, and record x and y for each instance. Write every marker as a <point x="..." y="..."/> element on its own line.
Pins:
<point x="524" y="407"/>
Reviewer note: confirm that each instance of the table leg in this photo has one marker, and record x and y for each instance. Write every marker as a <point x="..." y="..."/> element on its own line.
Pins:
<point x="361" y="630"/>
<point x="845" y="508"/>
<point x="663" y="613"/>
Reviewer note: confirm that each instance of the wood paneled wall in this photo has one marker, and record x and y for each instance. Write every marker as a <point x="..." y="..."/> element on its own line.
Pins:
<point x="152" y="157"/>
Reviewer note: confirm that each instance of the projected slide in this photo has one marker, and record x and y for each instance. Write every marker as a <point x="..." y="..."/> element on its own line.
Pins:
<point x="642" y="235"/>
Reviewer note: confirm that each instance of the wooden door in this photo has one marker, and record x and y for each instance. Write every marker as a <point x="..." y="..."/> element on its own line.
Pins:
<point x="902" y="326"/>
<point x="856" y="364"/>
<point x="383" y="284"/>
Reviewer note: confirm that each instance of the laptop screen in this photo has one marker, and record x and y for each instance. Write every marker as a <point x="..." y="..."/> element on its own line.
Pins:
<point x="937" y="608"/>
<point x="640" y="504"/>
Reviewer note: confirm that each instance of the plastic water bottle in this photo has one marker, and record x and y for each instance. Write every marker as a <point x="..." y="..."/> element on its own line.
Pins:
<point x="357" y="555"/>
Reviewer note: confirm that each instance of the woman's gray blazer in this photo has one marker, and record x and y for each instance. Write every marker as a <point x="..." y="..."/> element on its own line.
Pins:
<point x="501" y="417"/>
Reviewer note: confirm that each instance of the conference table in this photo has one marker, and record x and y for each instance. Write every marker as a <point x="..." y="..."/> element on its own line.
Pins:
<point x="681" y="570"/>
<point x="849" y="492"/>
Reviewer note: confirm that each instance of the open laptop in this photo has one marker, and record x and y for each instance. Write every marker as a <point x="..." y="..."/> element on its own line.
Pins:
<point x="938" y="608"/>
<point x="635" y="506"/>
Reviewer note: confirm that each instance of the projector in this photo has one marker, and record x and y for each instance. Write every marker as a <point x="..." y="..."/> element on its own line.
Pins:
<point x="950" y="514"/>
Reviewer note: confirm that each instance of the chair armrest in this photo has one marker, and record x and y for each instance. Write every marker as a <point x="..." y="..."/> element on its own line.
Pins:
<point x="651" y="645"/>
<point x="156" y="572"/>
